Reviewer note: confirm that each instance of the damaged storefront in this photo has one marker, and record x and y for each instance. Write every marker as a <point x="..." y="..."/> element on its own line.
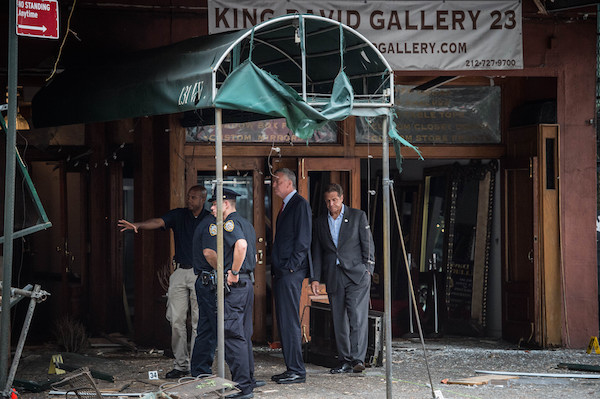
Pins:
<point x="496" y="219"/>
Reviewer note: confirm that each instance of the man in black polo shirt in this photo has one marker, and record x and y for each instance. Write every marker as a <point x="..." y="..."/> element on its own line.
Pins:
<point x="239" y="253"/>
<point x="182" y="293"/>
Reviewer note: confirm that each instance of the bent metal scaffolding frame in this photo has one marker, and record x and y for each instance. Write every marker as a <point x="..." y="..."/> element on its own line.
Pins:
<point x="36" y="295"/>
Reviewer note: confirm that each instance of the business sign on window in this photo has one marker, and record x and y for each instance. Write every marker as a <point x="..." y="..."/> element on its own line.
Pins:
<point x="411" y="35"/>
<point x="453" y="115"/>
<point x="267" y="131"/>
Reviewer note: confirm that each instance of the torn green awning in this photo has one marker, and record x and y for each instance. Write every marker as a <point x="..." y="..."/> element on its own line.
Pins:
<point x="265" y="94"/>
<point x="165" y="80"/>
<point x="188" y="75"/>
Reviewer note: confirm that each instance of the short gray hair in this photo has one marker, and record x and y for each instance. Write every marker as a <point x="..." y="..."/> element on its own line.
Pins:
<point x="289" y="174"/>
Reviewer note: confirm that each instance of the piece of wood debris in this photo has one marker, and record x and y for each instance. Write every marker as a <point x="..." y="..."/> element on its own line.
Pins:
<point x="156" y="383"/>
<point x="481" y="379"/>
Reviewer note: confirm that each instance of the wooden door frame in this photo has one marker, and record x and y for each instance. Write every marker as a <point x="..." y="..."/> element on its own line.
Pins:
<point x="306" y="165"/>
<point x="256" y="165"/>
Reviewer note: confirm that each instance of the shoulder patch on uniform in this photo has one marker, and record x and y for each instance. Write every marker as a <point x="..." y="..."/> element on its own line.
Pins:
<point x="229" y="226"/>
<point x="212" y="229"/>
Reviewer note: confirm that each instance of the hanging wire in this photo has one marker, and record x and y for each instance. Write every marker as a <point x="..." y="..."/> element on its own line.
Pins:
<point x="269" y="164"/>
<point x="63" y="41"/>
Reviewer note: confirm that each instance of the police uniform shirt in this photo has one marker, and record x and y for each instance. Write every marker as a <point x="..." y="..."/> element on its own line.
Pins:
<point x="201" y="241"/>
<point x="250" y="235"/>
<point x="183" y="223"/>
<point x="232" y="232"/>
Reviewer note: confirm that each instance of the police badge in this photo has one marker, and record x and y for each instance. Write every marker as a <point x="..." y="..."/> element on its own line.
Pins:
<point x="212" y="229"/>
<point x="229" y="226"/>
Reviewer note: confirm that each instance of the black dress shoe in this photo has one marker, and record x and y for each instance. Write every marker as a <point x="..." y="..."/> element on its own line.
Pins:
<point x="176" y="374"/>
<point x="279" y="376"/>
<point x="358" y="366"/>
<point x="292" y="378"/>
<point x="344" y="368"/>
<point x="240" y="395"/>
<point x="259" y="383"/>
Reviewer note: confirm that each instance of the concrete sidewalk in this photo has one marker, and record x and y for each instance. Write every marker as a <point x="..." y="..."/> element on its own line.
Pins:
<point x="448" y="359"/>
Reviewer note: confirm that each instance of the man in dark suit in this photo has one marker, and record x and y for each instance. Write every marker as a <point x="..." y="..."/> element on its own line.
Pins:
<point x="343" y="258"/>
<point x="290" y="266"/>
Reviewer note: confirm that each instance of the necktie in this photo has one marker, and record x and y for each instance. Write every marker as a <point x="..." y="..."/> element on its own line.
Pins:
<point x="279" y="214"/>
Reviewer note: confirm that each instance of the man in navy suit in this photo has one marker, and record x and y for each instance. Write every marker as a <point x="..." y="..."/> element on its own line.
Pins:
<point x="290" y="266"/>
<point x="343" y="258"/>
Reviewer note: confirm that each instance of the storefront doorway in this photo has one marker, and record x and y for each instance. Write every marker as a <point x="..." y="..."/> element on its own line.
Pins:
<point x="251" y="177"/>
<point x="246" y="176"/>
<point x="532" y="273"/>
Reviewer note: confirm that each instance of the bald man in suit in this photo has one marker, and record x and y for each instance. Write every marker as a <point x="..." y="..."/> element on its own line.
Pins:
<point x="343" y="256"/>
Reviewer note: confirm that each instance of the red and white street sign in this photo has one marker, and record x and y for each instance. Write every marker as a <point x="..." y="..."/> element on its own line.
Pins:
<point x="37" y="18"/>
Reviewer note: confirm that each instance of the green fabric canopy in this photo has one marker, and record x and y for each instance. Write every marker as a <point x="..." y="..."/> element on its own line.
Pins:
<point x="304" y="68"/>
<point x="187" y="75"/>
<point x="158" y="81"/>
<point x="267" y="94"/>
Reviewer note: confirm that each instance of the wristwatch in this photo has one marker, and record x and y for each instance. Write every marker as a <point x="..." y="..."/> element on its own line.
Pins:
<point x="235" y="273"/>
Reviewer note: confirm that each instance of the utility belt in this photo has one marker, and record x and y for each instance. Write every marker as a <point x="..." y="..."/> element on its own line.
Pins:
<point x="181" y="265"/>
<point x="210" y="278"/>
<point x="249" y="275"/>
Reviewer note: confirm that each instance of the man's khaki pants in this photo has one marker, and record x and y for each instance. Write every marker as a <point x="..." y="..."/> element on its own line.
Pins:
<point x="182" y="295"/>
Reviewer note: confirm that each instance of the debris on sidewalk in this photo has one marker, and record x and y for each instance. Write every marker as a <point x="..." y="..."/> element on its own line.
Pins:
<point x="36" y="386"/>
<point x="579" y="367"/>
<point x="80" y="383"/>
<point x="58" y="366"/>
<point x="119" y="339"/>
<point x="480" y="379"/>
<point x="453" y="358"/>
<point x="190" y="387"/>
<point x="113" y="341"/>
<point x="547" y="375"/>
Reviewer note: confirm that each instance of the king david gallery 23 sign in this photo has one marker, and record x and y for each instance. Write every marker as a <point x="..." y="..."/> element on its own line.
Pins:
<point x="411" y="35"/>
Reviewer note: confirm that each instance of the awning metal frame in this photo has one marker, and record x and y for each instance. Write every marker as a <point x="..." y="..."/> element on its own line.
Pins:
<point x="387" y="93"/>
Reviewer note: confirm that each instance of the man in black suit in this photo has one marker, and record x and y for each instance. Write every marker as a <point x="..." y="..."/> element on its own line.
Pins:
<point x="343" y="258"/>
<point x="290" y="266"/>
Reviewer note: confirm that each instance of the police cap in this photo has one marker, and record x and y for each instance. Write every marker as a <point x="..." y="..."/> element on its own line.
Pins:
<point x="227" y="194"/>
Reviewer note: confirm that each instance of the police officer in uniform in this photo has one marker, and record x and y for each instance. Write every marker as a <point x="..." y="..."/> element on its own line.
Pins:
<point x="239" y="252"/>
<point x="206" y="333"/>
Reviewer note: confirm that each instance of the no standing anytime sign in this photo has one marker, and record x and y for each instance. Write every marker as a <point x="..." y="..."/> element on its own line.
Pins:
<point x="37" y="18"/>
